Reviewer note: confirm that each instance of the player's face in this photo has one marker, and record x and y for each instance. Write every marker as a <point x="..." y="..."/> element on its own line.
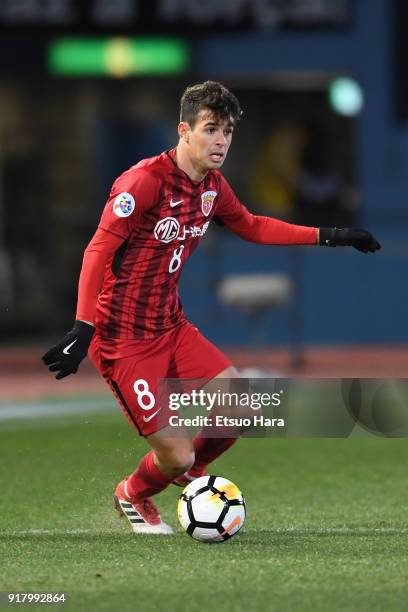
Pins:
<point x="209" y="141"/>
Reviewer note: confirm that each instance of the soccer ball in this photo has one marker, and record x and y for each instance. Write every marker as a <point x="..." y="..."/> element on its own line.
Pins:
<point x="211" y="509"/>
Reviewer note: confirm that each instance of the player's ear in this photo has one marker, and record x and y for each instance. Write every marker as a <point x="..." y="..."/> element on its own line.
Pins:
<point x="184" y="131"/>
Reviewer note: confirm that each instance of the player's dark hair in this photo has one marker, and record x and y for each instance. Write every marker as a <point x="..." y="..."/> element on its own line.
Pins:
<point x="212" y="96"/>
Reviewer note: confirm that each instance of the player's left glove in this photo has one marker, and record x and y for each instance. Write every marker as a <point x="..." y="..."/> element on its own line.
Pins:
<point x="359" y="239"/>
<point x="65" y="357"/>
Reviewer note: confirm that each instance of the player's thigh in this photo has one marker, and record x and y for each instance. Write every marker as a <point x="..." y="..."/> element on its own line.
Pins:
<point x="229" y="381"/>
<point x="233" y="393"/>
<point x="229" y="372"/>
<point x="133" y="381"/>
<point x="202" y="366"/>
<point x="195" y="357"/>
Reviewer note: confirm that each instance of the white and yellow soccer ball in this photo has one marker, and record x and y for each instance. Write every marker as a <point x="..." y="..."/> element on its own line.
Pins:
<point x="211" y="509"/>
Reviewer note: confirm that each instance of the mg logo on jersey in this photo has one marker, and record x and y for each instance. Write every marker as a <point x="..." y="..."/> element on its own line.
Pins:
<point x="207" y="201"/>
<point x="167" y="229"/>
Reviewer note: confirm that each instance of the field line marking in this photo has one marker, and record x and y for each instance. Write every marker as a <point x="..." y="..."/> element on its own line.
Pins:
<point x="340" y="530"/>
<point x="22" y="532"/>
<point x="279" y="531"/>
<point x="15" y="411"/>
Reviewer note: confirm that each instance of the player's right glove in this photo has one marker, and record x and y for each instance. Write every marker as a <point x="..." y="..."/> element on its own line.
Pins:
<point x="359" y="239"/>
<point x="65" y="357"/>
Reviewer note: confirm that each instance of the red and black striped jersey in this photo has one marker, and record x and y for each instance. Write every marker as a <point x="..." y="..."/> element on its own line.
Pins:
<point x="158" y="215"/>
<point x="162" y="216"/>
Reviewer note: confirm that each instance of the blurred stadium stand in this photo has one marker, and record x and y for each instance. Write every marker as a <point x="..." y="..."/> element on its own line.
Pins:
<point x="63" y="139"/>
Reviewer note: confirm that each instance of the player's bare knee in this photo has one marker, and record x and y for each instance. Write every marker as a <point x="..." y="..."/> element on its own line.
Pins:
<point x="182" y="462"/>
<point x="175" y="464"/>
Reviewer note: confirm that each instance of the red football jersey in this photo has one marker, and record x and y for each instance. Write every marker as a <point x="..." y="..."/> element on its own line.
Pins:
<point x="159" y="215"/>
<point x="162" y="215"/>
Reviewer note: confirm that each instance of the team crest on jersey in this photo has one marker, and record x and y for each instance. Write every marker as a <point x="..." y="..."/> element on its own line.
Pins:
<point x="167" y="229"/>
<point x="207" y="201"/>
<point x="124" y="205"/>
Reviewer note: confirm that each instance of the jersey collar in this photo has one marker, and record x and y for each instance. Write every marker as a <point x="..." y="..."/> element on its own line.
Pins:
<point x="171" y="154"/>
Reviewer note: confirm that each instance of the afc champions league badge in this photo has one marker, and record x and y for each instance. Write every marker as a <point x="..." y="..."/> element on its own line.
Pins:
<point x="207" y="201"/>
<point x="124" y="204"/>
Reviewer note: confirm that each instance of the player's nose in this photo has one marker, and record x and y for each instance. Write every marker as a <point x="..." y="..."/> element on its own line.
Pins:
<point x="221" y="138"/>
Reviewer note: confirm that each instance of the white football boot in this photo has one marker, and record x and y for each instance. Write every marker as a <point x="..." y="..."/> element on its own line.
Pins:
<point x="143" y="515"/>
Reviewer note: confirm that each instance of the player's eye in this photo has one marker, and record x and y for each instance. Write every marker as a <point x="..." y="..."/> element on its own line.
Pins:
<point x="228" y="131"/>
<point x="210" y="130"/>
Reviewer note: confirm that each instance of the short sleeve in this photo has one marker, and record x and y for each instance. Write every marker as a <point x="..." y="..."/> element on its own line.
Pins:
<point x="133" y="192"/>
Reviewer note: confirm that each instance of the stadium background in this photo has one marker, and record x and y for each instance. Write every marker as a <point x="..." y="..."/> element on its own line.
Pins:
<point x="64" y="137"/>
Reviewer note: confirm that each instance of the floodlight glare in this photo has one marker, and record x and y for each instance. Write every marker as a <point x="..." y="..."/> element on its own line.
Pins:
<point x="346" y="96"/>
<point x="118" y="56"/>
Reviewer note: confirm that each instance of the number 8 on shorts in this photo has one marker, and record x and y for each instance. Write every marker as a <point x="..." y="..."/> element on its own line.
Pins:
<point x="141" y="388"/>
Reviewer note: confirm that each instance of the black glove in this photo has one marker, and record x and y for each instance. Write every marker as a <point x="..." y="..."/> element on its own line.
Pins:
<point x="66" y="356"/>
<point x="360" y="239"/>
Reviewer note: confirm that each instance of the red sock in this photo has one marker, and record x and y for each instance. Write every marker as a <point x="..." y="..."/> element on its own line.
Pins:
<point x="208" y="449"/>
<point x="147" y="479"/>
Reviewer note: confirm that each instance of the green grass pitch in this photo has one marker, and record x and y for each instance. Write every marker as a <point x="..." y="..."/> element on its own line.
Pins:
<point x="326" y="526"/>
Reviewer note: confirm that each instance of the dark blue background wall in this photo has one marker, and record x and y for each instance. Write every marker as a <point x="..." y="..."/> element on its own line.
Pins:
<point x="345" y="296"/>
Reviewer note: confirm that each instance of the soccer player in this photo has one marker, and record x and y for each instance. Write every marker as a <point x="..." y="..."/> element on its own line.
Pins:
<point x="129" y="316"/>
